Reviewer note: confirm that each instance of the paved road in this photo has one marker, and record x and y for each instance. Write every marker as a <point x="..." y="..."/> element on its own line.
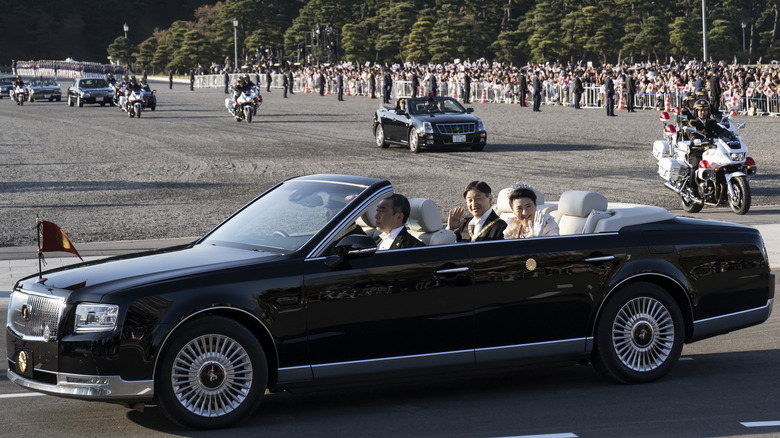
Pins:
<point x="179" y="170"/>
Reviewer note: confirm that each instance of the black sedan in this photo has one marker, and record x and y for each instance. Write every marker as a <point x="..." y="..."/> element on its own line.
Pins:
<point x="429" y="122"/>
<point x="90" y="90"/>
<point x="6" y="85"/>
<point x="44" y="89"/>
<point x="291" y="291"/>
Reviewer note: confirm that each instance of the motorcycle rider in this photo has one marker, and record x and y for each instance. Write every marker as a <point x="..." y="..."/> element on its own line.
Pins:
<point x="687" y="110"/>
<point x="111" y="81"/>
<point x="706" y="128"/>
<point x="19" y="82"/>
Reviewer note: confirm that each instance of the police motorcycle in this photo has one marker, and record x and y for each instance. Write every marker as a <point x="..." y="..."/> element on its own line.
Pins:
<point x="241" y="105"/>
<point x="149" y="97"/>
<point x="722" y="174"/>
<point x="20" y="94"/>
<point x="134" y="103"/>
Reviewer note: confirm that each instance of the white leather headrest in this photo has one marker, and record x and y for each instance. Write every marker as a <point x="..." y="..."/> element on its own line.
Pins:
<point x="581" y="203"/>
<point x="424" y="216"/>
<point x="502" y="203"/>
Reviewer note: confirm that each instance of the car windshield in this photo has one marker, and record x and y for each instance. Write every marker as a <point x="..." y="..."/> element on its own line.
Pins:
<point x="93" y="83"/>
<point x="286" y="218"/>
<point x="6" y="81"/>
<point x="42" y="83"/>
<point x="435" y="105"/>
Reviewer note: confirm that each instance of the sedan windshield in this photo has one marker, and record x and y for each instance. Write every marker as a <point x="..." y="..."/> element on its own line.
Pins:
<point x="286" y="218"/>
<point x="93" y="83"/>
<point x="436" y="105"/>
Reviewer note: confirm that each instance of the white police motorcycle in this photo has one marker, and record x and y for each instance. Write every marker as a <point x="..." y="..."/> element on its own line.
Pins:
<point x="20" y="94"/>
<point x="722" y="174"/>
<point x="242" y="106"/>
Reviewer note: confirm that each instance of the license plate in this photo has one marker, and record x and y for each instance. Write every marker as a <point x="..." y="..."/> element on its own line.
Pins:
<point x="98" y="99"/>
<point x="459" y="138"/>
<point x="46" y="96"/>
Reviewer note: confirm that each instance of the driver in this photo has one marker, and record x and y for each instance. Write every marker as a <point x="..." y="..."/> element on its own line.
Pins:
<point x="401" y="104"/>
<point x="19" y="82"/>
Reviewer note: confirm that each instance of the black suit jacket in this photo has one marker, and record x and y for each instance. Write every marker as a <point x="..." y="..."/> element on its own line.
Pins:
<point x="609" y="87"/>
<point x="403" y="240"/>
<point x="494" y="231"/>
<point x="537" y="84"/>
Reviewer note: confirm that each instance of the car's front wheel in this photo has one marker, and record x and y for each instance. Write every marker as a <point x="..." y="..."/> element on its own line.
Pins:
<point x="379" y="133"/>
<point x="79" y="102"/>
<point x="213" y="373"/>
<point x="414" y="141"/>
<point x="639" y="335"/>
<point x="70" y="100"/>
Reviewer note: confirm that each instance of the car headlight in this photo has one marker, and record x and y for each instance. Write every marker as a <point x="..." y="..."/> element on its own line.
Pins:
<point x="93" y="317"/>
<point x="480" y="125"/>
<point x="426" y="128"/>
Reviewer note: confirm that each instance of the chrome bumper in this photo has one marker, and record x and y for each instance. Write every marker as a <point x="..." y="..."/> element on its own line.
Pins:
<point x="102" y="388"/>
<point x="709" y="327"/>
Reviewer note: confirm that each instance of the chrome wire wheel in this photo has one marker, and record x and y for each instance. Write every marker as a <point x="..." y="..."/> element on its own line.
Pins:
<point x="211" y="375"/>
<point x="643" y="334"/>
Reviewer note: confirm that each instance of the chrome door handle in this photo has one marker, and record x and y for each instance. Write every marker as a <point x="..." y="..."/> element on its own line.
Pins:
<point x="600" y="259"/>
<point x="452" y="271"/>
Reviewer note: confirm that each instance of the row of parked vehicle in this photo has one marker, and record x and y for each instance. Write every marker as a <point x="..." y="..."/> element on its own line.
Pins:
<point x="82" y="91"/>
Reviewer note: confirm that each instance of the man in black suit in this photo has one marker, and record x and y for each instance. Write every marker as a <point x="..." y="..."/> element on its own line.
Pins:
<point x="484" y="224"/>
<point x="285" y="84"/>
<point x="415" y="84"/>
<point x="715" y="92"/>
<point x="387" y="86"/>
<point x="268" y="79"/>
<point x="523" y="88"/>
<point x="537" y="84"/>
<point x="609" y="92"/>
<point x="340" y="84"/>
<point x="630" y="90"/>
<point x="391" y="216"/>
<point x="466" y="87"/>
<point x="577" y="89"/>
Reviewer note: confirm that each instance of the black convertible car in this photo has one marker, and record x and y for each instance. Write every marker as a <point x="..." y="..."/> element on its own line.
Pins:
<point x="288" y="291"/>
<point x="429" y="122"/>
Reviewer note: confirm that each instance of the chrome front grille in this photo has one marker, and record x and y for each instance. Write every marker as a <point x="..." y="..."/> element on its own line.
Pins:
<point x="35" y="316"/>
<point x="456" y="128"/>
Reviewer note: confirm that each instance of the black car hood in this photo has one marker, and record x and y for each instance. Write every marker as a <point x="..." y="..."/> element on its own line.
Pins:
<point x="120" y="273"/>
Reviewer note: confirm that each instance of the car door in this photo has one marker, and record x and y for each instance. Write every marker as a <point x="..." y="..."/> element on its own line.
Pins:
<point x="535" y="298"/>
<point x="390" y="311"/>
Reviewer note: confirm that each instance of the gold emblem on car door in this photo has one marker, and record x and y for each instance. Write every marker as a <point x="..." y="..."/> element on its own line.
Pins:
<point x="530" y="264"/>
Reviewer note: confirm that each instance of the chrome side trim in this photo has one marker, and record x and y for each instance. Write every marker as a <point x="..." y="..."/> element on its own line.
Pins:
<point x="716" y="325"/>
<point x="400" y="363"/>
<point x="565" y="347"/>
<point x="105" y="388"/>
<point x="295" y="374"/>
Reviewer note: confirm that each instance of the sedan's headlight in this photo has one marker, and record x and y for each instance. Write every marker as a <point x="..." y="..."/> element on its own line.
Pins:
<point x="92" y="317"/>
<point x="480" y="125"/>
<point x="426" y="128"/>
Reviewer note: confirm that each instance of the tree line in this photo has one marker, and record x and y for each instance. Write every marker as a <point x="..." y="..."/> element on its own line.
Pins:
<point x="437" y="31"/>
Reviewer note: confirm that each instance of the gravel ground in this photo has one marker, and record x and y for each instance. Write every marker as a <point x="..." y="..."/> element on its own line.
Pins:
<point x="179" y="170"/>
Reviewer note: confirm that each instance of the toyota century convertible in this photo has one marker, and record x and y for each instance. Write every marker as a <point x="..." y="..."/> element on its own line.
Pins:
<point x="291" y="291"/>
<point x="429" y="122"/>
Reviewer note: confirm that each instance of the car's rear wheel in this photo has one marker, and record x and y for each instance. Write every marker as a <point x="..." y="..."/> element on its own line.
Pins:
<point x="414" y="141"/>
<point x="639" y="335"/>
<point x="379" y="134"/>
<point x="212" y="373"/>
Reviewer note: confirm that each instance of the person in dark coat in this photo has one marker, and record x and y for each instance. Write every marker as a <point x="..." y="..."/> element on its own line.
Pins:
<point x="609" y="93"/>
<point x="523" y="88"/>
<point x="322" y="84"/>
<point x="387" y="86"/>
<point x="466" y="87"/>
<point x="170" y="79"/>
<point x="391" y="216"/>
<point x="433" y="84"/>
<point x="340" y="85"/>
<point x="268" y="79"/>
<point x="577" y="89"/>
<point x="226" y="80"/>
<point x="537" y="84"/>
<point x="484" y="223"/>
<point x="415" y="84"/>
<point x="192" y="79"/>
<point x="285" y="83"/>
<point x="372" y="83"/>
<point x="290" y="81"/>
<point x="715" y="92"/>
<point x="630" y="91"/>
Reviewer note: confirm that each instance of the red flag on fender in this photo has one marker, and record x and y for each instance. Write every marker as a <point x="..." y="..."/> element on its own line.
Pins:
<point x="54" y="239"/>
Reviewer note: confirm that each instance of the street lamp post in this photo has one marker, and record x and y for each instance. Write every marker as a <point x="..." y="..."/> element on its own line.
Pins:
<point x="235" y="43"/>
<point x="743" y="37"/>
<point x="126" y="28"/>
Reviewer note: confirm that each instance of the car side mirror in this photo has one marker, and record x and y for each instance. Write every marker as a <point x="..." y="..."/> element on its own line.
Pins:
<point x="469" y="110"/>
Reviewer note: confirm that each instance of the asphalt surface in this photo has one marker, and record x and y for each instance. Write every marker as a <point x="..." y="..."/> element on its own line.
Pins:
<point x="117" y="184"/>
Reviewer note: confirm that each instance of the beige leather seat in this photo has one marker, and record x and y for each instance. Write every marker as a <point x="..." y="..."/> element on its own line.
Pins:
<point x="425" y="223"/>
<point x="367" y="221"/>
<point x="579" y="211"/>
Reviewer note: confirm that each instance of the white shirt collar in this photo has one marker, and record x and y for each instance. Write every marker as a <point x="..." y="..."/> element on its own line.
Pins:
<point x="388" y="238"/>
<point x="479" y="223"/>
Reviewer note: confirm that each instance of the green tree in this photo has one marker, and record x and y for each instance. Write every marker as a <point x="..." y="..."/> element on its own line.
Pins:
<point x="394" y="23"/>
<point x="652" y="40"/>
<point x="417" y="50"/>
<point x="508" y="47"/>
<point x="545" y="41"/>
<point x="120" y="51"/>
<point x="353" y="42"/>
<point x="722" y="40"/>
<point x="450" y="37"/>
<point x="146" y="51"/>
<point x="683" y="38"/>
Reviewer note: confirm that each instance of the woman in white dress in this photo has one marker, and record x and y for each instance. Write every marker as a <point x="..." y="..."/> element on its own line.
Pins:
<point x="528" y="222"/>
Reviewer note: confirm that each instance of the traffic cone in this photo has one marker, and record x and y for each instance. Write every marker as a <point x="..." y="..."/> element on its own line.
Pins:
<point x="454" y="92"/>
<point x="419" y="91"/>
<point x="621" y="103"/>
<point x="484" y="97"/>
<point x="348" y="87"/>
<point x="306" y="89"/>
<point x="667" y="103"/>
<point x="327" y="88"/>
<point x="734" y="103"/>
